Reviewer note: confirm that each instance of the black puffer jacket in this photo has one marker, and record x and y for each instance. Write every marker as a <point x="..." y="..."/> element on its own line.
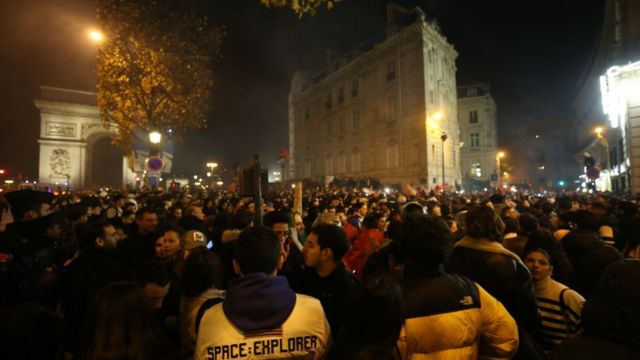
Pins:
<point x="501" y="273"/>
<point x="589" y="256"/>
<point x="611" y="318"/>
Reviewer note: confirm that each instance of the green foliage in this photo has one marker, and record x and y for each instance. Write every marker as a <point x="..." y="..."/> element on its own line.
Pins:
<point x="155" y="68"/>
<point x="301" y="7"/>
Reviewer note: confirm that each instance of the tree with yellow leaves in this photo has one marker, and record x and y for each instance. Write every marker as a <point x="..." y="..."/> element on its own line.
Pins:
<point x="301" y="7"/>
<point x="154" y="68"/>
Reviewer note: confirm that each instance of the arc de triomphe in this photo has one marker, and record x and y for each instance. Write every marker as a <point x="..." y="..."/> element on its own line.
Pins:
<point x="69" y="128"/>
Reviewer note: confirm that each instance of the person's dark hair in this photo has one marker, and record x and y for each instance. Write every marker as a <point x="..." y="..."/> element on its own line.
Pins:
<point x="117" y="197"/>
<point x="528" y="222"/>
<point x="370" y="221"/>
<point x="275" y="217"/>
<point x="76" y="211"/>
<point x="586" y="220"/>
<point x="257" y="249"/>
<point x="332" y="237"/>
<point x="496" y="198"/>
<point x="90" y="232"/>
<point x="540" y="250"/>
<point x="121" y="325"/>
<point x="482" y="222"/>
<point x="562" y="268"/>
<point x="426" y="241"/>
<point x="564" y="203"/>
<point x="412" y="209"/>
<point x="510" y="224"/>
<point x="151" y="272"/>
<point x="145" y="210"/>
<point x="242" y="219"/>
<point x="372" y="337"/>
<point x="126" y="213"/>
<point x="202" y="270"/>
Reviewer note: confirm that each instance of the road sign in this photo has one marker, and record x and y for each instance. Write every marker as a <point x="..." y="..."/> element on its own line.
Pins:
<point x="154" y="163"/>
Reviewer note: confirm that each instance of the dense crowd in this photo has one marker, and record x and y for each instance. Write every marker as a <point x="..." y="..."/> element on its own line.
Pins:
<point x="337" y="273"/>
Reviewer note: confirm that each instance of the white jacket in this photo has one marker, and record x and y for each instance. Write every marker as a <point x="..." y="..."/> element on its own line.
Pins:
<point x="304" y="335"/>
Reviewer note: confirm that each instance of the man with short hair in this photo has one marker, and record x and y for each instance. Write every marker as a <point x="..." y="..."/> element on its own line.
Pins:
<point x="153" y="278"/>
<point x="140" y="245"/>
<point x="95" y="267"/>
<point x="261" y="317"/>
<point x="329" y="280"/>
<point x="293" y="266"/>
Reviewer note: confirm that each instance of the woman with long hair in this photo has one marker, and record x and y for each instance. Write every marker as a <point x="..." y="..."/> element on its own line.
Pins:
<point x="121" y="325"/>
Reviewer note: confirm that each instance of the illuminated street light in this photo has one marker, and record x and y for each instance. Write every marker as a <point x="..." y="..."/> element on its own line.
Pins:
<point x="219" y="183"/>
<point x="437" y="116"/>
<point x="499" y="156"/>
<point x="599" y="130"/>
<point x="208" y="174"/>
<point x="96" y="36"/>
<point x="155" y="137"/>
<point x="212" y="165"/>
<point x="195" y="177"/>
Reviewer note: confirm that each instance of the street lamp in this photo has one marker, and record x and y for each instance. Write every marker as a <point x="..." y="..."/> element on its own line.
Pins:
<point x="155" y="137"/>
<point x="443" y="137"/>
<point x="96" y="36"/>
<point x="499" y="156"/>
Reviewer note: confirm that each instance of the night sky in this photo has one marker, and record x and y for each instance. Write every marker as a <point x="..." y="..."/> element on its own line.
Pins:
<point x="533" y="54"/>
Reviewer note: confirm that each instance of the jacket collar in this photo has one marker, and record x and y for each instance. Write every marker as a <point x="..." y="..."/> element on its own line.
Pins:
<point x="486" y="245"/>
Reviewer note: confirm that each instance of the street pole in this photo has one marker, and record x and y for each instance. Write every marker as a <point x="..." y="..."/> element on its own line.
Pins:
<point x="257" y="190"/>
<point x="499" y="174"/>
<point x="444" y="138"/>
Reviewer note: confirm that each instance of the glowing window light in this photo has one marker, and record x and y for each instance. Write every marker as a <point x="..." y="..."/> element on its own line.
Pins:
<point x="616" y="86"/>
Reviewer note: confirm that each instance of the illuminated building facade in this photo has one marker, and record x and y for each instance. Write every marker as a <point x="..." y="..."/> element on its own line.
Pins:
<point x="478" y="135"/>
<point x="380" y="110"/>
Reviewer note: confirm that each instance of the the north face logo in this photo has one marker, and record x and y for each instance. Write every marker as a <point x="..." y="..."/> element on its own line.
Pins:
<point x="467" y="300"/>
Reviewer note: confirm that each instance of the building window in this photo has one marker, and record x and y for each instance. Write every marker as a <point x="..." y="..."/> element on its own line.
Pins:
<point x="354" y="89"/>
<point x="473" y="117"/>
<point x="391" y="70"/>
<point x="433" y="153"/>
<point x="392" y="156"/>
<point x="432" y="99"/>
<point x="341" y="95"/>
<point x="471" y="92"/>
<point x="307" y="113"/>
<point x="391" y="109"/>
<point x="475" y="140"/>
<point x="328" y="166"/>
<point x="341" y="125"/>
<point x="307" y="169"/>
<point x="355" y="161"/>
<point x="329" y="128"/>
<point x="356" y="120"/>
<point x="476" y="170"/>
<point x="327" y="104"/>
<point x="342" y="160"/>
<point x="430" y="55"/>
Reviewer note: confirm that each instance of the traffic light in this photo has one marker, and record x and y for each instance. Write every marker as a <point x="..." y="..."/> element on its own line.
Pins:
<point x="2" y="171"/>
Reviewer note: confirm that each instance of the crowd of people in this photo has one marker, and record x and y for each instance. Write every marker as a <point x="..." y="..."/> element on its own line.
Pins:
<point x="319" y="273"/>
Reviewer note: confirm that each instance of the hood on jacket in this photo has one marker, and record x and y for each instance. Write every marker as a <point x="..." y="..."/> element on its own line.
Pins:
<point x="613" y="310"/>
<point x="259" y="302"/>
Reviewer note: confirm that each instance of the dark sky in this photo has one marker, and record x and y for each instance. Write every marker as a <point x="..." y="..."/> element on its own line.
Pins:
<point x="532" y="53"/>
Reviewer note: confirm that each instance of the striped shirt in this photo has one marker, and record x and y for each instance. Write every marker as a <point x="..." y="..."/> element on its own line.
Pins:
<point x="558" y="321"/>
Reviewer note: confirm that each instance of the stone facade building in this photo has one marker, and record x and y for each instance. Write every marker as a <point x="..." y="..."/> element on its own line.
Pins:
<point x="478" y="134"/>
<point x="370" y="112"/>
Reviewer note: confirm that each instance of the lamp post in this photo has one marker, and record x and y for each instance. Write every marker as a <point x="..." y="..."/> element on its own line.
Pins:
<point x="499" y="156"/>
<point x="443" y="137"/>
